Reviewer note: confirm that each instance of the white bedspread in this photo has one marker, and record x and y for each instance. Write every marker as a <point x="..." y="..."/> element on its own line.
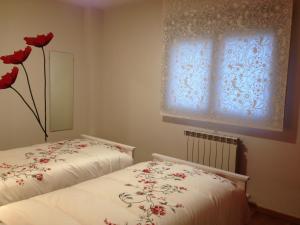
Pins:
<point x="30" y="171"/>
<point x="150" y="193"/>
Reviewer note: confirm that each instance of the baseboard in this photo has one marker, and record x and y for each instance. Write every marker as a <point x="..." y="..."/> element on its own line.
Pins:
<point x="272" y="213"/>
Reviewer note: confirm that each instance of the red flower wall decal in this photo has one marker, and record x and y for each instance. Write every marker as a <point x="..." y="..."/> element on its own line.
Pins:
<point x="40" y="40"/>
<point x="18" y="57"/>
<point x="9" y="78"/>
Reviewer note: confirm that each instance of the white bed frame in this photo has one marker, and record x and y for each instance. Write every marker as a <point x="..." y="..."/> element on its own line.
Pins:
<point x="238" y="179"/>
<point x="124" y="148"/>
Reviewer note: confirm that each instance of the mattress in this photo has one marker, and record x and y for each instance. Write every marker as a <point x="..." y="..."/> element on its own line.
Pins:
<point x="30" y="171"/>
<point x="149" y="193"/>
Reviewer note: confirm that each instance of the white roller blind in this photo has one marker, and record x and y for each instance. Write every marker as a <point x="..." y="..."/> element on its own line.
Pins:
<point x="226" y="61"/>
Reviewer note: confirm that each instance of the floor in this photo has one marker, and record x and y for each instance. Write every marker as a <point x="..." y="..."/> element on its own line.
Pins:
<point x="261" y="219"/>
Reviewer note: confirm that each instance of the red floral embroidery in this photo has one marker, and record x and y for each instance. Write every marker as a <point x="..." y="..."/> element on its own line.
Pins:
<point x="151" y="190"/>
<point x="180" y="175"/>
<point x="9" y="78"/>
<point x="39" y="176"/>
<point x="44" y="160"/>
<point x="151" y="196"/>
<point x="108" y="222"/>
<point x="35" y="167"/>
<point x="20" y="181"/>
<point x="158" y="210"/>
<point x="40" y="40"/>
<point x="150" y="182"/>
<point x="146" y="170"/>
<point x="82" y="146"/>
<point x="18" y="57"/>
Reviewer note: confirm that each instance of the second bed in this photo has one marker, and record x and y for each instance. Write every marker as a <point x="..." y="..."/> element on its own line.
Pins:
<point x="165" y="191"/>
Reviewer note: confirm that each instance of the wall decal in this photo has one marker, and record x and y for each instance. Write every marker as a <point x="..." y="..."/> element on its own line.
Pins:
<point x="18" y="58"/>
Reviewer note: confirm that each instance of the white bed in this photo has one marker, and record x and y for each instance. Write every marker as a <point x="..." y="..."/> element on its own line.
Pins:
<point x="165" y="191"/>
<point x="34" y="170"/>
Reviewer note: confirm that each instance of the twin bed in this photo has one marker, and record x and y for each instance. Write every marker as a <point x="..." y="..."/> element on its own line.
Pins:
<point x="34" y="170"/>
<point x="164" y="191"/>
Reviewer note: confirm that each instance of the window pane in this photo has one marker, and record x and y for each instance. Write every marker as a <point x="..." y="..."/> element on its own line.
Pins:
<point x="244" y="85"/>
<point x="189" y="76"/>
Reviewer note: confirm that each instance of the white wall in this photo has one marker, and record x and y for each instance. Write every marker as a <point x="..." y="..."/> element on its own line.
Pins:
<point x="126" y="106"/>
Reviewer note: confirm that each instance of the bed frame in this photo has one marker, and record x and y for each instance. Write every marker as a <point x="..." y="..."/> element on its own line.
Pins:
<point x="123" y="148"/>
<point x="238" y="179"/>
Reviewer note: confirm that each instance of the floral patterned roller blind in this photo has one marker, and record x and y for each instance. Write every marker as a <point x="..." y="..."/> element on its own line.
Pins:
<point x="226" y="61"/>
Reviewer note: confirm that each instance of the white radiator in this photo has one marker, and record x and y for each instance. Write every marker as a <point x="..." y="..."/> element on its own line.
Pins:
<point x="212" y="150"/>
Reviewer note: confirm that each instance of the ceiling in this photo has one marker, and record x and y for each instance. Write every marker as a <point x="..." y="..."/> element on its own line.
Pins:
<point x="97" y="3"/>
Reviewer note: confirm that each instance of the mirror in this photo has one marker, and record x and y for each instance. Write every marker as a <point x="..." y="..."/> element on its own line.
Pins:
<point x="61" y="91"/>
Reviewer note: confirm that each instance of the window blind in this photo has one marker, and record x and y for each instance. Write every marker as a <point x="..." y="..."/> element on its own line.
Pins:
<point x="226" y="61"/>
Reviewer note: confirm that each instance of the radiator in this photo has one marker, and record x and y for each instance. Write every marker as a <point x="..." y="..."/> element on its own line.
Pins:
<point x="212" y="150"/>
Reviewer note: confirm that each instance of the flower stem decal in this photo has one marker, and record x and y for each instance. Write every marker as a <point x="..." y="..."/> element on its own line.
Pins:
<point x="18" y="58"/>
<point x="40" y="41"/>
<point x="30" y="91"/>
<point x="23" y="99"/>
<point x="45" y="92"/>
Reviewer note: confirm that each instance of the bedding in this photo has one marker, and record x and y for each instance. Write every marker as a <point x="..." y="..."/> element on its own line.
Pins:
<point x="30" y="171"/>
<point x="149" y="193"/>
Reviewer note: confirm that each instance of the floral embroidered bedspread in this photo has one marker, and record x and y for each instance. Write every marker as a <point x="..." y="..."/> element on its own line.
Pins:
<point x="149" y="193"/>
<point x="26" y="172"/>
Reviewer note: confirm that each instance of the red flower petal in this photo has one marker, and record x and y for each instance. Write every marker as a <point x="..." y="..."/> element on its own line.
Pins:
<point x="9" y="78"/>
<point x="18" y="57"/>
<point x="40" y="40"/>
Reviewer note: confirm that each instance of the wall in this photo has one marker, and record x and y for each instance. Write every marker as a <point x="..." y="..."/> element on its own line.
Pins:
<point x="126" y="106"/>
<point x="29" y="18"/>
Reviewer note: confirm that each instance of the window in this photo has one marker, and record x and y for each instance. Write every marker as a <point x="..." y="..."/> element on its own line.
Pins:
<point x="227" y="69"/>
<point x="245" y="84"/>
<point x="190" y="69"/>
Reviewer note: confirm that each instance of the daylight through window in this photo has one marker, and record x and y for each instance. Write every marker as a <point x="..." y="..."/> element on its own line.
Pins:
<point x="224" y="65"/>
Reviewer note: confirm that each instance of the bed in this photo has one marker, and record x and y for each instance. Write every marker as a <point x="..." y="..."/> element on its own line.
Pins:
<point x="38" y="169"/>
<point x="164" y="191"/>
